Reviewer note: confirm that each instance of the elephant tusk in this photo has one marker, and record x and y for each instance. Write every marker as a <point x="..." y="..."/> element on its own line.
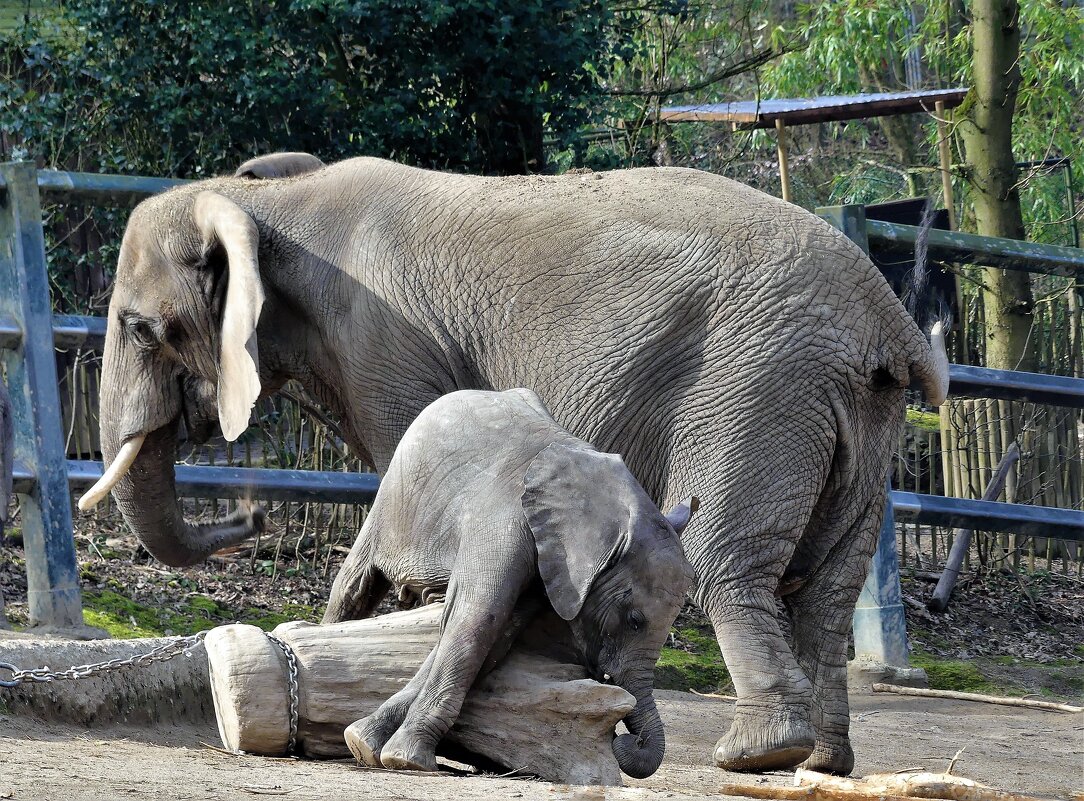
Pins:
<point x="125" y="456"/>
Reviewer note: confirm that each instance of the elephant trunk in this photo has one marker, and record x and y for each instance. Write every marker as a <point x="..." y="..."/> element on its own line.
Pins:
<point x="639" y="753"/>
<point x="147" y="497"/>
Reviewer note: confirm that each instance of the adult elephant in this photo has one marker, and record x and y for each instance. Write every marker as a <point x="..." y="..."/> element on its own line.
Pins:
<point x="728" y="344"/>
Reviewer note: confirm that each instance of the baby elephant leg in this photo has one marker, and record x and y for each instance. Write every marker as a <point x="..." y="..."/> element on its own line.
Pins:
<point x="366" y="737"/>
<point x="359" y="586"/>
<point x="473" y="622"/>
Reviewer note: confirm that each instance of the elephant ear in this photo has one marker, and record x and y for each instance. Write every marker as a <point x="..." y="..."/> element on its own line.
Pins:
<point x="279" y="165"/>
<point x="222" y="222"/>
<point x="573" y="499"/>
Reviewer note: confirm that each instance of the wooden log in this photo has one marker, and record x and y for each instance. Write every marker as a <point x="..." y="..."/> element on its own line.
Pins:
<point x="988" y="699"/>
<point x="532" y="714"/>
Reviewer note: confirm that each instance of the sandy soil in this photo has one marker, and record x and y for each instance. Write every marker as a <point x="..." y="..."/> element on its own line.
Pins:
<point x="1034" y="752"/>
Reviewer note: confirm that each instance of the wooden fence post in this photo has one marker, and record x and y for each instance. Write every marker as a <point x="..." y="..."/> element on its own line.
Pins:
<point x="52" y="573"/>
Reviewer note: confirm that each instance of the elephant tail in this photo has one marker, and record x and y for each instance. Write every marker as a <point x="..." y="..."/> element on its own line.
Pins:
<point x="928" y="360"/>
<point x="930" y="365"/>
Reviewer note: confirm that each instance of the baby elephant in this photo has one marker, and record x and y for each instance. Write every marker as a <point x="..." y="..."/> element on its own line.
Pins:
<point x="489" y="500"/>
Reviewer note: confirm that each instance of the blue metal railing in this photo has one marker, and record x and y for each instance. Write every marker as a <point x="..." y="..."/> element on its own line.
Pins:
<point x="44" y="477"/>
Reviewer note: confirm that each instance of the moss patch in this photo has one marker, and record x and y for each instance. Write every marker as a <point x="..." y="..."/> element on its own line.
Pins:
<point x="124" y="618"/>
<point x="697" y="665"/>
<point x="927" y="421"/>
<point x="952" y="674"/>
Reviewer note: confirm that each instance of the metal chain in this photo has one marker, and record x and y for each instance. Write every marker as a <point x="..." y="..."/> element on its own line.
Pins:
<point x="293" y="687"/>
<point x="163" y="653"/>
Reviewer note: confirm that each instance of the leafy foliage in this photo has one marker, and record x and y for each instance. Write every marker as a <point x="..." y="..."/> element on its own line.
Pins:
<point x="853" y="46"/>
<point x="190" y="87"/>
<point x="675" y="51"/>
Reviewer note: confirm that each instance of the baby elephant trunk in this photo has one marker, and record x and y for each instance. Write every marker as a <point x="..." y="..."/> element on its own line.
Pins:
<point x="639" y="753"/>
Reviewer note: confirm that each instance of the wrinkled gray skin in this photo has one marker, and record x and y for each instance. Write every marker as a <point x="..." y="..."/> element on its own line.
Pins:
<point x="719" y="338"/>
<point x="485" y="498"/>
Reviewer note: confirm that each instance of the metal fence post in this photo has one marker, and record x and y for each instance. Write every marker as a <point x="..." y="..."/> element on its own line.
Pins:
<point x="879" y="624"/>
<point x="51" y="569"/>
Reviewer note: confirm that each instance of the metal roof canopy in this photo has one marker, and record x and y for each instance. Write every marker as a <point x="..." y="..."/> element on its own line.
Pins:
<point x="747" y="114"/>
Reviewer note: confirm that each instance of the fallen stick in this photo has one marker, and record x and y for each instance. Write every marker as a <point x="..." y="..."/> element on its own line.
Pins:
<point x="714" y="695"/>
<point x="810" y="793"/>
<point x="988" y="699"/>
<point x="909" y="784"/>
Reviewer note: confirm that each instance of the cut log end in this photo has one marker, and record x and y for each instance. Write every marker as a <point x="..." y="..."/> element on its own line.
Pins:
<point x="250" y="690"/>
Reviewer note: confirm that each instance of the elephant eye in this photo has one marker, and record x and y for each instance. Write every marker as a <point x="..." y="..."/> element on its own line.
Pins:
<point x="142" y="332"/>
<point x="635" y="620"/>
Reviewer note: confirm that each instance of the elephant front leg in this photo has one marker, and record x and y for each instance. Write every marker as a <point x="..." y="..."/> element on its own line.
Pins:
<point x="474" y="621"/>
<point x="771" y="727"/>
<point x="366" y="738"/>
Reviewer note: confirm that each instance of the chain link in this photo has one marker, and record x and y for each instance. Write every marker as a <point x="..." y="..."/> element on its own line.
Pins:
<point x="163" y="653"/>
<point x="294" y="688"/>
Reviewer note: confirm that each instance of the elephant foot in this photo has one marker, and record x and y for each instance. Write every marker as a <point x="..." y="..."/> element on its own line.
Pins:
<point x="362" y="744"/>
<point x="837" y="758"/>
<point x="781" y="739"/>
<point x="405" y="753"/>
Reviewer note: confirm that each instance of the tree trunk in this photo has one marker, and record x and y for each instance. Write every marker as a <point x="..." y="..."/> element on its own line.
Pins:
<point x="986" y="128"/>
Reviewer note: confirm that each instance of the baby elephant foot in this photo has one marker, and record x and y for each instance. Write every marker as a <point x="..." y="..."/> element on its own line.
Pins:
<point x="363" y="742"/>
<point x="762" y="740"/>
<point x="405" y="752"/>
<point x="837" y="758"/>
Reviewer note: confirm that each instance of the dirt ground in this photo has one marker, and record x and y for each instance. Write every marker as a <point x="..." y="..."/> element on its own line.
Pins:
<point x="1035" y="752"/>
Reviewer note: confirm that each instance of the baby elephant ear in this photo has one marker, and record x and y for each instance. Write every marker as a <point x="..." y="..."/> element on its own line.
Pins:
<point x="579" y="515"/>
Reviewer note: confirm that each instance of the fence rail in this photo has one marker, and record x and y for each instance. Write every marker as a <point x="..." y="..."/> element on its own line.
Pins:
<point x="961" y="248"/>
<point x="207" y="481"/>
<point x="45" y="478"/>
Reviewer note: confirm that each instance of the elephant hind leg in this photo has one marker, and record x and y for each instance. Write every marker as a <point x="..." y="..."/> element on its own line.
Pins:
<point x="771" y="727"/>
<point x="359" y="586"/>
<point x="740" y="555"/>
<point x="821" y="612"/>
